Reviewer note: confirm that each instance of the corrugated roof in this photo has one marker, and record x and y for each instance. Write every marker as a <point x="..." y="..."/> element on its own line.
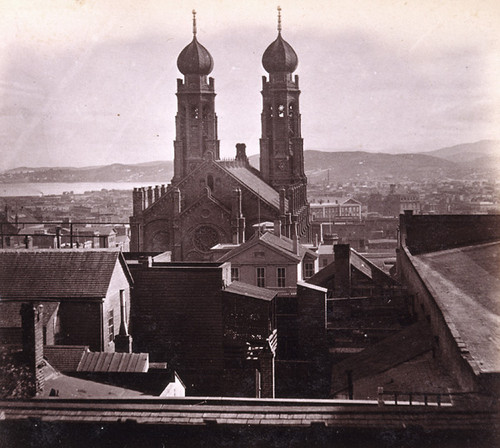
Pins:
<point x="244" y="289"/>
<point x="39" y="274"/>
<point x="113" y="362"/>
<point x="255" y="184"/>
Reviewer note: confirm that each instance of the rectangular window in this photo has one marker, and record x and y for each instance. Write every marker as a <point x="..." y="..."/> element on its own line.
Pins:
<point x="111" y="325"/>
<point x="281" y="274"/>
<point x="308" y="269"/>
<point x="261" y="277"/>
<point x="235" y="274"/>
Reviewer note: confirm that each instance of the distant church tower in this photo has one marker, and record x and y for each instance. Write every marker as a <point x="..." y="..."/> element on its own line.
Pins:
<point x="212" y="201"/>
<point x="281" y="144"/>
<point x="195" y="122"/>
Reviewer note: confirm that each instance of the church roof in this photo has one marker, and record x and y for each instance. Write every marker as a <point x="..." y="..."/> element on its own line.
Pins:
<point x="280" y="57"/>
<point x="195" y="59"/>
<point x="255" y="184"/>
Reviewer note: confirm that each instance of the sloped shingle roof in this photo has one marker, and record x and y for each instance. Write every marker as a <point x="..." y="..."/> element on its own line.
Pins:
<point x="43" y="274"/>
<point x="244" y="289"/>
<point x="255" y="184"/>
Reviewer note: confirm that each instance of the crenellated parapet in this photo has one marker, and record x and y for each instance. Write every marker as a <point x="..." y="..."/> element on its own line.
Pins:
<point x="145" y="197"/>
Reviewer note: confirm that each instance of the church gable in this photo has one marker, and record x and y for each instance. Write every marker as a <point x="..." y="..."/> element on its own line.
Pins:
<point x="203" y="225"/>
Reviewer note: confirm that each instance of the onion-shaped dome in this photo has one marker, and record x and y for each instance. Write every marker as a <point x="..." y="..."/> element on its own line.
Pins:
<point x="195" y="59"/>
<point x="280" y="57"/>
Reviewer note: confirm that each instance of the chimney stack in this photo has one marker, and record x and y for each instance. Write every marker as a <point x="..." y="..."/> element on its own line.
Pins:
<point x="295" y="238"/>
<point x="123" y="341"/>
<point x="241" y="154"/>
<point x="58" y="237"/>
<point x="32" y="331"/>
<point x="342" y="256"/>
<point x="277" y="228"/>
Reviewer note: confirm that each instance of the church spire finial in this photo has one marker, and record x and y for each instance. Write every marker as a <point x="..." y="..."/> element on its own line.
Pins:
<point x="279" y="19"/>
<point x="194" y="23"/>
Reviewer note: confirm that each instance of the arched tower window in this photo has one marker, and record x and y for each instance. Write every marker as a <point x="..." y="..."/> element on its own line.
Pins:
<point x="281" y="111"/>
<point x="195" y="112"/>
<point x="210" y="182"/>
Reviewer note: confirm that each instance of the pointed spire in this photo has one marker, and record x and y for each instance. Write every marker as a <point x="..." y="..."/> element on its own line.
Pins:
<point x="194" y="23"/>
<point x="279" y="19"/>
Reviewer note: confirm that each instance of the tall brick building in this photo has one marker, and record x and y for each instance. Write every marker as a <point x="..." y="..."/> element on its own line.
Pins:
<point x="211" y="201"/>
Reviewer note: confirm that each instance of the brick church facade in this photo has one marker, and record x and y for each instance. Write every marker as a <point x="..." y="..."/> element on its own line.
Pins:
<point x="211" y="201"/>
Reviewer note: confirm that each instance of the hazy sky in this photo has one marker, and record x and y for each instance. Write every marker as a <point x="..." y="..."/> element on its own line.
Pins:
<point x="93" y="81"/>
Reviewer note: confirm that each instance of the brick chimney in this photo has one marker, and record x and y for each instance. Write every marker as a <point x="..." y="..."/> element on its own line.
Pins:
<point x="123" y="341"/>
<point x="295" y="237"/>
<point x="32" y="330"/>
<point x="241" y="153"/>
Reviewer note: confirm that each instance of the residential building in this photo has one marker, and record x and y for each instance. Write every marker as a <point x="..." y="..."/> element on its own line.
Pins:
<point x="85" y="293"/>
<point x="339" y="209"/>
<point x="217" y="333"/>
<point x="270" y="261"/>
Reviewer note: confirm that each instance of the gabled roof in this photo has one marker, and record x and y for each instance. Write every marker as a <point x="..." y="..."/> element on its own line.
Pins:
<point x="368" y="268"/>
<point x="255" y="292"/>
<point x="57" y="274"/>
<point x="360" y="263"/>
<point x="281" y="244"/>
<point x="254" y="183"/>
<point x="202" y="198"/>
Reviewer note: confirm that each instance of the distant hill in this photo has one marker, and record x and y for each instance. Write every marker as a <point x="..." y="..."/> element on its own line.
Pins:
<point x="359" y="165"/>
<point x="468" y="152"/>
<point x="471" y="160"/>
<point x="161" y="171"/>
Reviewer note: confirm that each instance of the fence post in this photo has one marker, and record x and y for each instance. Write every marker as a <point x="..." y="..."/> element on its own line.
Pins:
<point x="380" y="392"/>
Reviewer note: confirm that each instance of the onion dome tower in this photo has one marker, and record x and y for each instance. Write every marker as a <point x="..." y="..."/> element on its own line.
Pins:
<point x="196" y="121"/>
<point x="281" y="143"/>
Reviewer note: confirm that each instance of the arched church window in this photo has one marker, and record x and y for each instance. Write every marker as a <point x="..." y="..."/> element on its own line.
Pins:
<point x="269" y="111"/>
<point x="281" y="111"/>
<point x="291" y="110"/>
<point x="205" y="112"/>
<point x="205" y="237"/>
<point x="210" y="182"/>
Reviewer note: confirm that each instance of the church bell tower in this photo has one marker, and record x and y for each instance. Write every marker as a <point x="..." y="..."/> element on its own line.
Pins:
<point x="195" y="122"/>
<point x="281" y="143"/>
